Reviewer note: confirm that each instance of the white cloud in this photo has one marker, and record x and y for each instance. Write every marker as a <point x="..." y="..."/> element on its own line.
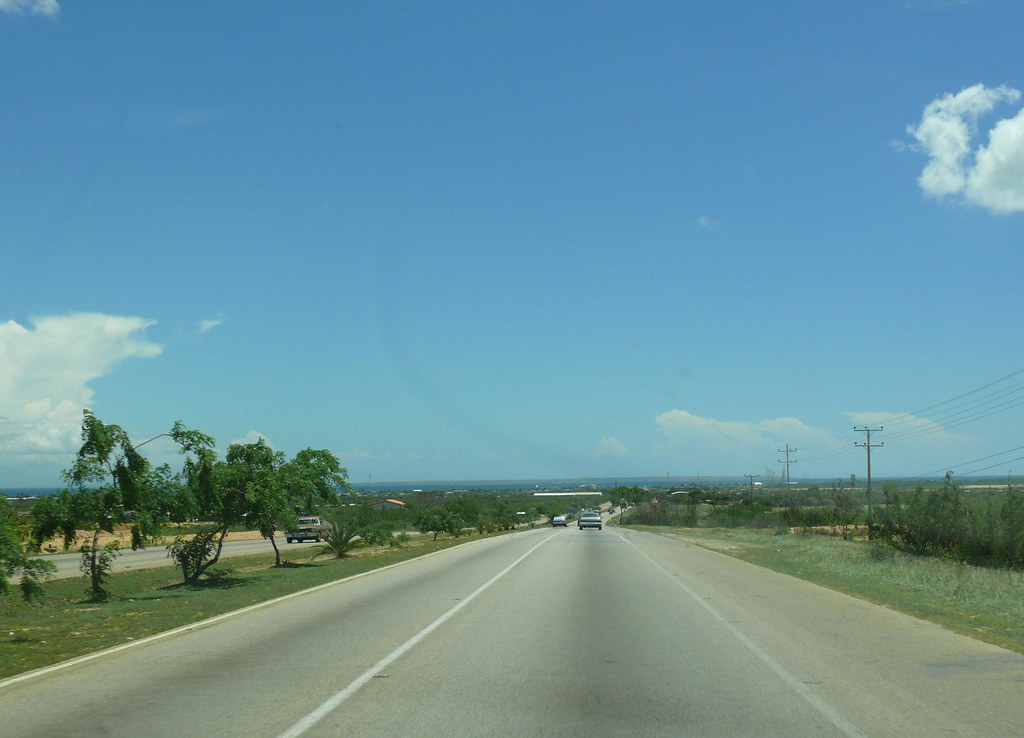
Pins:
<point x="49" y="8"/>
<point x="726" y="446"/>
<point x="990" y="175"/>
<point x="205" y="326"/>
<point x="706" y="221"/>
<point x="44" y="385"/>
<point x="681" y="426"/>
<point x="997" y="180"/>
<point x="252" y="436"/>
<point x="611" y="448"/>
<point x="875" y="418"/>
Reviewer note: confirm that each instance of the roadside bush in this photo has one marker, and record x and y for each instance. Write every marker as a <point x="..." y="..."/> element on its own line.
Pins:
<point x="948" y="524"/>
<point x="96" y="563"/>
<point x="351" y="527"/>
<point x="658" y="512"/>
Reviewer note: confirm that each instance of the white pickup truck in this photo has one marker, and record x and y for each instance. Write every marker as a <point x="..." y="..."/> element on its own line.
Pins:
<point x="310" y="528"/>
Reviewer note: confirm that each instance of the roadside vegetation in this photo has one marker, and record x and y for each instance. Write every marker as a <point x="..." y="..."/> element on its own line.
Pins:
<point x="15" y="563"/>
<point x="112" y="487"/>
<point x="955" y="558"/>
<point x="115" y="497"/>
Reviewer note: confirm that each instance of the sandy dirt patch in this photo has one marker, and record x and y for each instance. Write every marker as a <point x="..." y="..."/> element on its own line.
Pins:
<point x="123" y="536"/>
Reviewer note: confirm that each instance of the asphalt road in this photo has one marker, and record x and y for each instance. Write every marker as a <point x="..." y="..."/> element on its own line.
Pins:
<point x="544" y="632"/>
<point x="153" y="556"/>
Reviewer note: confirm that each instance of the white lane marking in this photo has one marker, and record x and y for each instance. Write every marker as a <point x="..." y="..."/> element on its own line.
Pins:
<point x="217" y="618"/>
<point x="824" y="708"/>
<point x="338" y="697"/>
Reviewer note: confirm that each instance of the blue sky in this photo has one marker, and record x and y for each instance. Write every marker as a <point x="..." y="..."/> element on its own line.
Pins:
<point x="516" y="240"/>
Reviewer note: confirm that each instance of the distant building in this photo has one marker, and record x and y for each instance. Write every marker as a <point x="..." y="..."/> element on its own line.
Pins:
<point x="388" y="505"/>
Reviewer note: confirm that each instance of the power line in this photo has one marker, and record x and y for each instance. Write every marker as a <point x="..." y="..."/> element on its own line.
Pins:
<point x="959" y="413"/>
<point x="993" y="466"/>
<point x="961" y="417"/>
<point x="972" y="461"/>
<point x="968" y="393"/>
<point x="953" y="414"/>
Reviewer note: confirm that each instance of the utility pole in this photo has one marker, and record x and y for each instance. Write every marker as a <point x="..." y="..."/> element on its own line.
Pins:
<point x="751" y="477"/>
<point x="787" y="462"/>
<point x="868" y="445"/>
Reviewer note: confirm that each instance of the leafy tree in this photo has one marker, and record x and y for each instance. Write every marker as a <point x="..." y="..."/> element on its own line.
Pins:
<point x="14" y="561"/>
<point x="314" y="478"/>
<point x="628" y="496"/>
<point x="438" y="520"/>
<point x="431" y="520"/>
<point x="196" y="495"/>
<point x="242" y="490"/>
<point x="467" y="508"/>
<point x="109" y="484"/>
<point x="844" y="514"/>
<point x="255" y="488"/>
<point x="453" y="523"/>
<point x="502" y="515"/>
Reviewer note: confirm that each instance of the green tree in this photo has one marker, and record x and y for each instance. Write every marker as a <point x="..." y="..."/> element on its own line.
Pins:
<point x="439" y="520"/>
<point x="110" y="483"/>
<point x="244" y="490"/>
<point x="13" y="560"/>
<point x="628" y="496"/>
<point x="467" y="508"/>
<point x="254" y="488"/>
<point x="314" y="478"/>
<point x="196" y="495"/>
<point x="844" y="514"/>
<point x="431" y="520"/>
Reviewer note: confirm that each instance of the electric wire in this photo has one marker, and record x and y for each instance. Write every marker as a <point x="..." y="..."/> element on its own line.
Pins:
<point x="968" y="463"/>
<point x="966" y="407"/>
<point x="986" y="468"/>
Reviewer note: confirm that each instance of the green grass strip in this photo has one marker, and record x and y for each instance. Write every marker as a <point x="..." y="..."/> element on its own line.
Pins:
<point x="986" y="604"/>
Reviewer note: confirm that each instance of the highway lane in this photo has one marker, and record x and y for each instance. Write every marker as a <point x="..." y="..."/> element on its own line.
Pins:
<point x="544" y="632"/>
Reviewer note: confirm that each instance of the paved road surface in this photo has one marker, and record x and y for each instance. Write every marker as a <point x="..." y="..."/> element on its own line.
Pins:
<point x="546" y="632"/>
<point x="151" y="556"/>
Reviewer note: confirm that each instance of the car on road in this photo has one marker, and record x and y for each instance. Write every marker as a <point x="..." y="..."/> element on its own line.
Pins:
<point x="558" y="520"/>
<point x="309" y="528"/>
<point x="590" y="520"/>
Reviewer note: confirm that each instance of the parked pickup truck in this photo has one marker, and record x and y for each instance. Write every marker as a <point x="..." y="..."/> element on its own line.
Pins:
<point x="308" y="529"/>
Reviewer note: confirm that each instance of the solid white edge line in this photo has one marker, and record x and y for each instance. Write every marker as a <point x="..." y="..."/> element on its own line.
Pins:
<point x="815" y="701"/>
<point x="211" y="620"/>
<point x="339" y="697"/>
